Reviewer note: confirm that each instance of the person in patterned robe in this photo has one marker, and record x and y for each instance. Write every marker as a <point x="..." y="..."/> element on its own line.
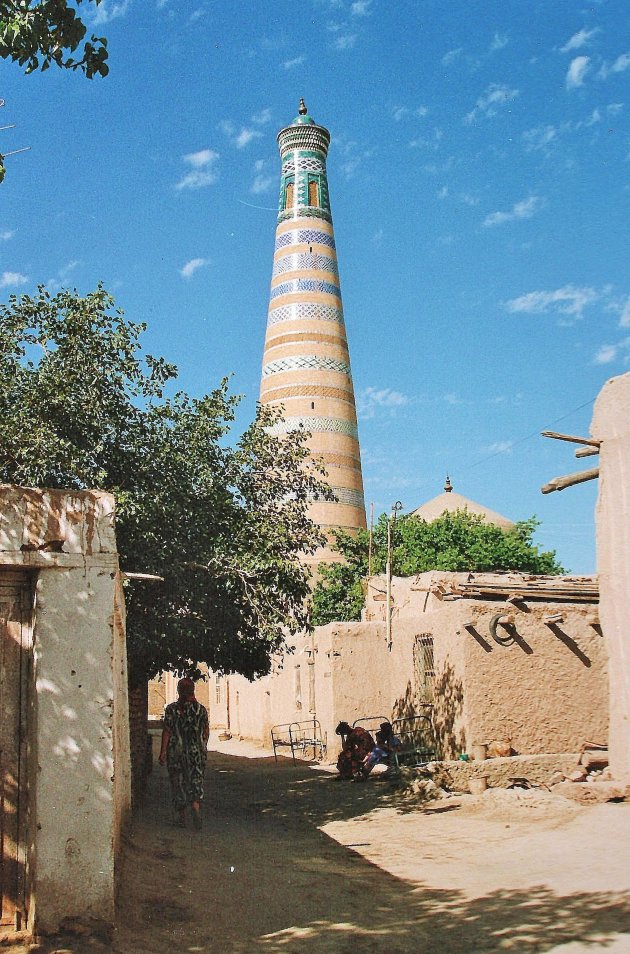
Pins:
<point x="184" y="746"/>
<point x="356" y="744"/>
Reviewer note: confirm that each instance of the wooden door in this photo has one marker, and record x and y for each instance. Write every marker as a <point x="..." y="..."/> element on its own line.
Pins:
<point x="15" y="659"/>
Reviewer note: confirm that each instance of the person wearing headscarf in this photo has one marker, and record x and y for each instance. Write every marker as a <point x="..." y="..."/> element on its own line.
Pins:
<point x="184" y="747"/>
<point x="356" y="744"/>
<point x="386" y="744"/>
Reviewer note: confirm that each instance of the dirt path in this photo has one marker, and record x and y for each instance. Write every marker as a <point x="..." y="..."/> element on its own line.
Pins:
<point x="291" y="860"/>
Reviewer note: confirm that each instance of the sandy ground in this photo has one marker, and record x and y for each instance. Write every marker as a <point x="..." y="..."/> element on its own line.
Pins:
<point x="292" y="860"/>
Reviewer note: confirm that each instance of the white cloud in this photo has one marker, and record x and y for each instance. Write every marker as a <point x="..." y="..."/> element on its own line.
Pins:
<point x="489" y="104"/>
<point x="428" y="142"/>
<point x="578" y="40"/>
<point x="500" y="40"/>
<point x="245" y="137"/>
<point x="541" y="137"/>
<point x="108" y="10"/>
<point x="451" y="56"/>
<point x="345" y="42"/>
<point x="262" y="118"/>
<point x="58" y="281"/>
<point x="361" y="8"/>
<point x="262" y="182"/>
<point x="12" y="279"/>
<point x="201" y="159"/>
<point x="620" y="65"/>
<point x="520" y="210"/>
<point x="296" y="61"/>
<point x="577" y="71"/>
<point x="371" y="400"/>
<point x="202" y="172"/>
<point x="189" y="269"/>
<point x="8" y="234"/>
<point x="568" y="300"/>
<point x="609" y="352"/>
<point x="606" y="354"/>
<point x="624" y="313"/>
<point x="499" y="447"/>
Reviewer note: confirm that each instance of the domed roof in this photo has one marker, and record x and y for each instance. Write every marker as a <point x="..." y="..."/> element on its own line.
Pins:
<point x="450" y="501"/>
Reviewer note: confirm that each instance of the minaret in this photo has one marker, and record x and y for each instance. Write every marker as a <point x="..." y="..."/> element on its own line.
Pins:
<point x="306" y="365"/>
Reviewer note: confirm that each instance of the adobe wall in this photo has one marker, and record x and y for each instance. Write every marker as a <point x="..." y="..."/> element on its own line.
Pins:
<point x="547" y="692"/>
<point x="611" y="426"/>
<point x="79" y="731"/>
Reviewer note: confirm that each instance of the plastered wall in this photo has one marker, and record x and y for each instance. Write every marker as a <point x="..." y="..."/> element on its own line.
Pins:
<point x="78" y="730"/>
<point x="611" y="426"/>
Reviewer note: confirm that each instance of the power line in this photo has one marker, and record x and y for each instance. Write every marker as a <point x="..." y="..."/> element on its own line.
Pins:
<point x="536" y="433"/>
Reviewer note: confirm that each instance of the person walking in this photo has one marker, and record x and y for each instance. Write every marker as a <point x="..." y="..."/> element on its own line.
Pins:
<point x="184" y="749"/>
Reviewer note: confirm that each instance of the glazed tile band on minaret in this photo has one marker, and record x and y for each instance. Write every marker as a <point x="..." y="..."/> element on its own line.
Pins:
<point x="306" y="365"/>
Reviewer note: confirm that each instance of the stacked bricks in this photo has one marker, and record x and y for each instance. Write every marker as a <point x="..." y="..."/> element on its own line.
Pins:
<point x="306" y="364"/>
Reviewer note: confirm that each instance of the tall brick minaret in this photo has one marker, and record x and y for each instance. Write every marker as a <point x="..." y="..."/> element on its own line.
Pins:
<point x="306" y="365"/>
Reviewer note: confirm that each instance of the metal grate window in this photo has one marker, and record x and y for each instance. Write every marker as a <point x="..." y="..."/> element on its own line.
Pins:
<point x="217" y="690"/>
<point x="424" y="667"/>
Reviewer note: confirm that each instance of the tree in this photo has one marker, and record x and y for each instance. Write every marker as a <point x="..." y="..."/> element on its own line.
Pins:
<point x="458" y="541"/>
<point x="81" y="407"/>
<point x="38" y="34"/>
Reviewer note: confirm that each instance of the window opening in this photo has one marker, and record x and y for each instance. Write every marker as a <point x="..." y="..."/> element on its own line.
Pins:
<point x="288" y="195"/>
<point x="424" y="667"/>
<point x="313" y="192"/>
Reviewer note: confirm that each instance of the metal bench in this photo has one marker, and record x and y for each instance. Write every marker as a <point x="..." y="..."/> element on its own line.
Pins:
<point x="299" y="736"/>
<point x="418" y="745"/>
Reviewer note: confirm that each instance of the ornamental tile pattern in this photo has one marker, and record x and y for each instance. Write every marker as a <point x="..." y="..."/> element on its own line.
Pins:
<point x="296" y="261"/>
<point x="334" y="425"/>
<point x="345" y="495"/>
<point x="298" y="162"/>
<point x="305" y="268"/>
<point x="304" y="212"/>
<point x="306" y="362"/>
<point x="299" y="311"/>
<point x="303" y="285"/>
<point x="305" y="237"/>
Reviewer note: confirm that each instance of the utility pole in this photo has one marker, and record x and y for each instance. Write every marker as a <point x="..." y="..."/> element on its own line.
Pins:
<point x="391" y="524"/>
<point x="13" y="152"/>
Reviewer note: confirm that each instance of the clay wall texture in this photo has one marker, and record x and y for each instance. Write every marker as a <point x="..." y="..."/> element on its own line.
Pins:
<point x="79" y="729"/>
<point x="611" y="426"/>
<point x="546" y="693"/>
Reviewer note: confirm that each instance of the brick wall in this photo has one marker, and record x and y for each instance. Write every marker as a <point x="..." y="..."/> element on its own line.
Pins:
<point x="140" y="761"/>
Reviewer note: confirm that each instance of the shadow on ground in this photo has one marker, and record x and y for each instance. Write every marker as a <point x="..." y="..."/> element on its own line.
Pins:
<point x="263" y="877"/>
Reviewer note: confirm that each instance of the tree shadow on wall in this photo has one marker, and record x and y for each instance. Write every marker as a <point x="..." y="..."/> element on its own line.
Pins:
<point x="447" y="713"/>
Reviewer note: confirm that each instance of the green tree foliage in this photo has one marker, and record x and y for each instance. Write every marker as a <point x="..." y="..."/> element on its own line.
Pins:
<point x="458" y="541"/>
<point x="38" y="34"/>
<point x="81" y="408"/>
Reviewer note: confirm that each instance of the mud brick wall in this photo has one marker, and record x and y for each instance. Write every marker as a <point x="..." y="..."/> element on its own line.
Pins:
<point x="138" y="737"/>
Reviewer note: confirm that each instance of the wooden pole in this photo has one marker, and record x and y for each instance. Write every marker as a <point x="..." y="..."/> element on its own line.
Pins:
<point x="570" y="438"/>
<point x="561" y="483"/>
<point x="587" y="451"/>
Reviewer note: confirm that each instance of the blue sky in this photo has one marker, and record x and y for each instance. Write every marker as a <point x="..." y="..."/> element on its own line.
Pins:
<point x="479" y="175"/>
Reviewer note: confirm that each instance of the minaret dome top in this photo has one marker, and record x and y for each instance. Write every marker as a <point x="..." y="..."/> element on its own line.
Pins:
<point x="303" y="133"/>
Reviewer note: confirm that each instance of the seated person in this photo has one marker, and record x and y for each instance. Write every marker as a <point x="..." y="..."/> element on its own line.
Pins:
<point x="386" y="743"/>
<point x="356" y="745"/>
